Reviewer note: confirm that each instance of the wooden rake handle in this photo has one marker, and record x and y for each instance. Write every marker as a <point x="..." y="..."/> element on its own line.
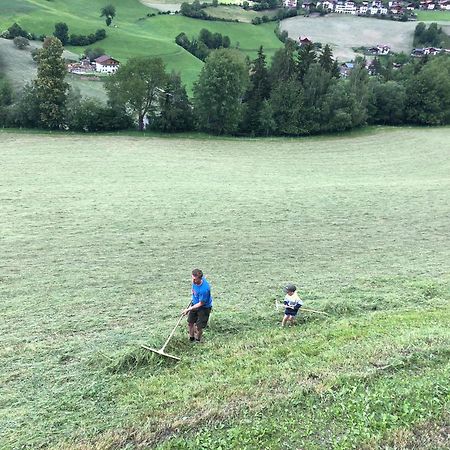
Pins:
<point x="172" y="332"/>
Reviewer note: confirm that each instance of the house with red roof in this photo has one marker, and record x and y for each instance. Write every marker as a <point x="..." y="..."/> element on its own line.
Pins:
<point x="106" y="64"/>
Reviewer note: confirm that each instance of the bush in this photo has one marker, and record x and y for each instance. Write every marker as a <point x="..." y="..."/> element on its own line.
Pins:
<point x="83" y="40"/>
<point x="15" y="30"/>
<point x="89" y="115"/>
<point x="21" y="42"/>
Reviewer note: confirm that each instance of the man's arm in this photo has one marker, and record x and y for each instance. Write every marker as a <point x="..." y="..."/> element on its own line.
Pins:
<point x="192" y="308"/>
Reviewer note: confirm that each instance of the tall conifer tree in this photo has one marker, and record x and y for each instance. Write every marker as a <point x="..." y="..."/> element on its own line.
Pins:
<point x="258" y="91"/>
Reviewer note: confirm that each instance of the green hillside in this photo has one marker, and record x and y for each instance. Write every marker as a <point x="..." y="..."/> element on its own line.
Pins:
<point x="19" y="67"/>
<point x="132" y="32"/>
<point x="99" y="234"/>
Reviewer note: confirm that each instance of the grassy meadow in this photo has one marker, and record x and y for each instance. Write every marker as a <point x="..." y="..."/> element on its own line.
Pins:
<point x="132" y="32"/>
<point x="345" y="32"/>
<point x="433" y="16"/>
<point x="99" y="233"/>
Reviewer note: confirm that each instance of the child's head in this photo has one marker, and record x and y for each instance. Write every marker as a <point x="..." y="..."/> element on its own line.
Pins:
<point x="289" y="289"/>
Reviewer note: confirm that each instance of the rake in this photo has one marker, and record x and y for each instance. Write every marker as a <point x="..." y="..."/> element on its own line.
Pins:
<point x="161" y="350"/>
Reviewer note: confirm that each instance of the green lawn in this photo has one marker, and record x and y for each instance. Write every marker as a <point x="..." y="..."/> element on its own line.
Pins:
<point x="133" y="33"/>
<point x="433" y="16"/>
<point x="99" y="233"/>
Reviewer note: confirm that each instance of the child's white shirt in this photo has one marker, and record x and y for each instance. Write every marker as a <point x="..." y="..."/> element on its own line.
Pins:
<point x="293" y="300"/>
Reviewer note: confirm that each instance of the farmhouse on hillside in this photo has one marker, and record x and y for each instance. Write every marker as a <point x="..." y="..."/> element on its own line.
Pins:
<point x="106" y="64"/>
<point x="380" y="49"/>
<point x="303" y="40"/>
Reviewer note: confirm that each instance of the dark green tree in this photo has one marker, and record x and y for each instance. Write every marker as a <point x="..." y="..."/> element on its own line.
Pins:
<point x="428" y="94"/>
<point x="283" y="63"/>
<point x="207" y="38"/>
<point x="219" y="90"/>
<point x="175" y="108"/>
<point x="257" y="92"/>
<point x="326" y="58"/>
<point x="316" y="84"/>
<point x="337" y="107"/>
<point x="50" y="87"/>
<point x="286" y="102"/>
<point x="108" y="12"/>
<point x="377" y="68"/>
<point x="388" y="103"/>
<point x="306" y="57"/>
<point x="419" y="33"/>
<point x="62" y="32"/>
<point x="136" y="86"/>
<point x="359" y="87"/>
<point x="267" y="123"/>
<point x="6" y="100"/>
<point x="16" y="30"/>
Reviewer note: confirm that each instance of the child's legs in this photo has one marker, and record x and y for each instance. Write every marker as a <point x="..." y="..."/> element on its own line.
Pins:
<point x="285" y="319"/>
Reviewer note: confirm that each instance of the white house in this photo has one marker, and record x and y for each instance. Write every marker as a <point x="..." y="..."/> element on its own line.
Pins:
<point x="106" y="64"/>
<point x="328" y="5"/>
<point x="363" y="8"/>
<point x="347" y="7"/>
<point x="290" y="3"/>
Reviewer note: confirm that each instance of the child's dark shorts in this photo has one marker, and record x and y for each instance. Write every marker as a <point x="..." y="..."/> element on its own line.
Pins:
<point x="199" y="317"/>
<point x="290" y="312"/>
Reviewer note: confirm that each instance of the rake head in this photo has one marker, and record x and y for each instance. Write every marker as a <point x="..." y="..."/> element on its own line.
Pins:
<point x="161" y="352"/>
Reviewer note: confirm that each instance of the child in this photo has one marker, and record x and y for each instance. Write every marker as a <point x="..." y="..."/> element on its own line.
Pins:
<point x="293" y="304"/>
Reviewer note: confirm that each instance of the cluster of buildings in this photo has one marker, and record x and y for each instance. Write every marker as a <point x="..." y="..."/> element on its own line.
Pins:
<point x="102" y="64"/>
<point x="368" y="7"/>
<point x="432" y="51"/>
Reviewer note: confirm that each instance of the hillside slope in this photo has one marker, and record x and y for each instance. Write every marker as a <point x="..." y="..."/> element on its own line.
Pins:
<point x="19" y="67"/>
<point x="100" y="233"/>
<point x="132" y="32"/>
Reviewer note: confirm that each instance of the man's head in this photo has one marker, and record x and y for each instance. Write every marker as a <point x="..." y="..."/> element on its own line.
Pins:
<point x="197" y="276"/>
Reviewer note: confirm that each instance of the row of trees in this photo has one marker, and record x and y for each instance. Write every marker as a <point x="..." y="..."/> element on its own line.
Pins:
<point x="62" y="33"/>
<point x="300" y="93"/>
<point x="201" y="46"/>
<point x="433" y="36"/>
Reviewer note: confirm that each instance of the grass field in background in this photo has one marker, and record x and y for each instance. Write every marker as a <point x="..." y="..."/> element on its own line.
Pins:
<point x="99" y="234"/>
<point x="133" y="33"/>
<point x="433" y="16"/>
<point x="345" y="32"/>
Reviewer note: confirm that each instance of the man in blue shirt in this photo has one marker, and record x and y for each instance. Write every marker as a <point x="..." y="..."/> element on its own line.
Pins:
<point x="201" y="305"/>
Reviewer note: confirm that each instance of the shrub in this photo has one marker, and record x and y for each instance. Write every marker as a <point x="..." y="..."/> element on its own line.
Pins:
<point x="89" y="115"/>
<point x="21" y="42"/>
<point x="82" y="40"/>
<point x="15" y="30"/>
